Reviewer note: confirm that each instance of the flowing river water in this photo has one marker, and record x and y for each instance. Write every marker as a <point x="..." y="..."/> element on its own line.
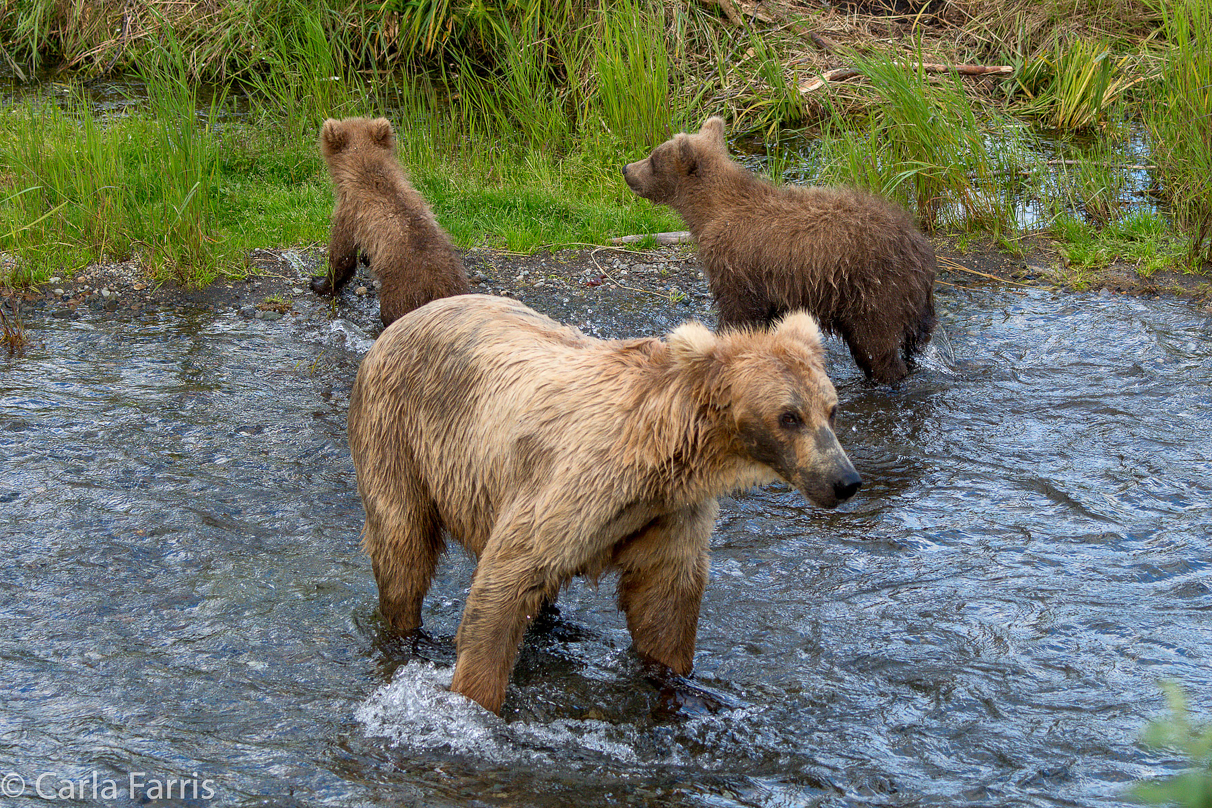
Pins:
<point x="986" y="624"/>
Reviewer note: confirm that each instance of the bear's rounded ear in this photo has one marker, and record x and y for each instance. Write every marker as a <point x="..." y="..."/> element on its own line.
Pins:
<point x="801" y="327"/>
<point x="380" y="132"/>
<point x="332" y="136"/>
<point x="691" y="343"/>
<point x="687" y="155"/>
<point x="713" y="132"/>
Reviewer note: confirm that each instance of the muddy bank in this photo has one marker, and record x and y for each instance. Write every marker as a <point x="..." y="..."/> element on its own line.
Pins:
<point x="554" y="283"/>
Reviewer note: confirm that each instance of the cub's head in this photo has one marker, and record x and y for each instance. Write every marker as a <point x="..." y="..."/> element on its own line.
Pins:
<point x="355" y="136"/>
<point x="778" y="401"/>
<point x="662" y="175"/>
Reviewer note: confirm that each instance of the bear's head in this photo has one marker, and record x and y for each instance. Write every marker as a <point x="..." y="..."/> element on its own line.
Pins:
<point x="663" y="175"/>
<point x="777" y="401"/>
<point x="356" y="135"/>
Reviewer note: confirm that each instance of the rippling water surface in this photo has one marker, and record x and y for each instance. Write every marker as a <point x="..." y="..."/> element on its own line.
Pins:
<point x="986" y="624"/>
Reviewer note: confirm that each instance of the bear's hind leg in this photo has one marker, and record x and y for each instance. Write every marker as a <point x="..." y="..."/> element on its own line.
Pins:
<point x="342" y="257"/>
<point x="877" y="353"/>
<point x="664" y="571"/>
<point x="404" y="546"/>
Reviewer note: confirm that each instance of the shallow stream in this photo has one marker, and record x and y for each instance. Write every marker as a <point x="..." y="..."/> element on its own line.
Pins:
<point x="985" y="624"/>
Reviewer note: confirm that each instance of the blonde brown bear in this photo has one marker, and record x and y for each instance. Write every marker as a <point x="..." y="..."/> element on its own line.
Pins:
<point x="379" y="214"/>
<point x="855" y="261"/>
<point x="549" y="454"/>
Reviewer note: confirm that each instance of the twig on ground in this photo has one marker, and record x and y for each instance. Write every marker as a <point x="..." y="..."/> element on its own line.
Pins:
<point x="662" y="239"/>
<point x="842" y="73"/>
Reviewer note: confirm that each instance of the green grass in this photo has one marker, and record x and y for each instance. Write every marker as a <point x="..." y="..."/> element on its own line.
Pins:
<point x="926" y="144"/>
<point x="1141" y="238"/>
<point x="514" y="118"/>
<point x="1179" y="118"/>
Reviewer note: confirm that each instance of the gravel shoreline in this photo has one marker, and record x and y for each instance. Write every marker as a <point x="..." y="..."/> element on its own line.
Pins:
<point x="667" y="278"/>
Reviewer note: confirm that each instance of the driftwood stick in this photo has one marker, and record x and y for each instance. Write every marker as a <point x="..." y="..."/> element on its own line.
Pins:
<point x="729" y="7"/>
<point x="840" y="73"/>
<point x="662" y="239"/>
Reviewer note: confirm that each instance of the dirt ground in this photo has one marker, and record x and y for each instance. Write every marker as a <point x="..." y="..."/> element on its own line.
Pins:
<point x="551" y="282"/>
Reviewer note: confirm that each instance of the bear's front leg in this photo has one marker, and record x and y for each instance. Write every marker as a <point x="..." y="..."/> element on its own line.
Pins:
<point x="507" y="592"/>
<point x="664" y="572"/>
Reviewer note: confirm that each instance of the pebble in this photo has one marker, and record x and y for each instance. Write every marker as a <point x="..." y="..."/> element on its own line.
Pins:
<point x="296" y="291"/>
<point x="361" y="291"/>
<point x="59" y="291"/>
<point x="269" y="315"/>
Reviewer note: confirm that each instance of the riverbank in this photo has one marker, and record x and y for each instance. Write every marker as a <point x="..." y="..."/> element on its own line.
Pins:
<point x="552" y="282"/>
<point x="1074" y="127"/>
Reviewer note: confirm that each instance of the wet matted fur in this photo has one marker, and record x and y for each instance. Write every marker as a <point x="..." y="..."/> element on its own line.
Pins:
<point x="854" y="260"/>
<point x="380" y="214"/>
<point x="549" y="454"/>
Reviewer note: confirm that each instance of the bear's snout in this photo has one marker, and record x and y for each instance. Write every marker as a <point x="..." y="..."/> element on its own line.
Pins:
<point x="625" y="167"/>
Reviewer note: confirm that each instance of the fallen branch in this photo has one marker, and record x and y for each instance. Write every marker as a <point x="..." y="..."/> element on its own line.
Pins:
<point x="840" y="73"/>
<point x="729" y="7"/>
<point x="662" y="239"/>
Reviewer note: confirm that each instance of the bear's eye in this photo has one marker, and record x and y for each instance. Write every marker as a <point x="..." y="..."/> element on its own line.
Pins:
<point x="790" y="420"/>
<point x="832" y="415"/>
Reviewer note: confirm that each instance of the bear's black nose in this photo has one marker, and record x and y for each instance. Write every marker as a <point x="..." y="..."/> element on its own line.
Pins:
<point x="624" y="170"/>
<point x="847" y="486"/>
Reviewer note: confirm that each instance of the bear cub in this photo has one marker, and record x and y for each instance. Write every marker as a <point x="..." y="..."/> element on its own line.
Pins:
<point x="379" y="214"/>
<point x="854" y="260"/>
<point x="549" y="454"/>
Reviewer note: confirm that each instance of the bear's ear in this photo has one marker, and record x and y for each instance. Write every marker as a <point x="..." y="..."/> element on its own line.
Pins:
<point x="713" y="132"/>
<point x="801" y="327"/>
<point x="687" y="155"/>
<point x="332" y="136"/>
<point x="691" y="344"/>
<point x="380" y="132"/>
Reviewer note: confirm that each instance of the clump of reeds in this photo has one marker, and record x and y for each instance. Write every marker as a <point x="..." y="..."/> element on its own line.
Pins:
<point x="1179" y="118"/>
<point x="12" y="334"/>
<point x="924" y="144"/>
<point x="1073" y="84"/>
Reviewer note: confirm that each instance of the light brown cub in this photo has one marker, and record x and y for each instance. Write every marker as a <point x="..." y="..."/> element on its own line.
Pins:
<point x="380" y="214"/>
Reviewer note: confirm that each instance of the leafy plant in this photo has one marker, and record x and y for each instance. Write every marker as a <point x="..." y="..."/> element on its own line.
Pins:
<point x="1192" y="788"/>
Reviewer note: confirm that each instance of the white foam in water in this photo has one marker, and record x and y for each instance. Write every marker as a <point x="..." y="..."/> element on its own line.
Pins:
<point x="346" y="335"/>
<point x="938" y="354"/>
<point x="417" y="711"/>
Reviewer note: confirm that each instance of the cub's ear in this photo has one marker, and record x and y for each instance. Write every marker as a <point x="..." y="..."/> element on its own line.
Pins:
<point x="691" y="344"/>
<point x="688" y="155"/>
<point x="801" y="327"/>
<point x="712" y="131"/>
<point x="380" y="132"/>
<point x="332" y="137"/>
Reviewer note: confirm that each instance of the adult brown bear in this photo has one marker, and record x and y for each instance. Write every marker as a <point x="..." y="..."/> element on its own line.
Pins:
<point x="380" y="214"/>
<point x="855" y="261"/>
<point x="549" y="454"/>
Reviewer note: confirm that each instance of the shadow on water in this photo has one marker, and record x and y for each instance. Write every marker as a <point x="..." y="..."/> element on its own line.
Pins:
<point x="984" y="625"/>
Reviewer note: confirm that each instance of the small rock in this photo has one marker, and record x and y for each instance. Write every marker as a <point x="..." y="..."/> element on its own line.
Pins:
<point x="55" y="279"/>
<point x="105" y="293"/>
<point x="248" y="312"/>
<point x="138" y="287"/>
<point x="59" y="292"/>
<point x="296" y="291"/>
<point x="361" y="291"/>
<point x="269" y="315"/>
<point x="478" y="277"/>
